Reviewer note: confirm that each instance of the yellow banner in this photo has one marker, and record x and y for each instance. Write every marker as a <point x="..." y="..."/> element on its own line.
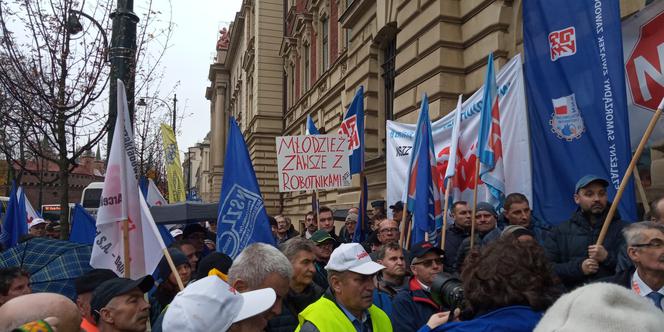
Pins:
<point x="176" y="192"/>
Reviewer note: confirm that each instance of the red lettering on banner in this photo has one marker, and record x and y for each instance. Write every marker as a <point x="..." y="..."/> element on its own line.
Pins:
<point x="337" y="161"/>
<point x="562" y="43"/>
<point x="348" y="129"/>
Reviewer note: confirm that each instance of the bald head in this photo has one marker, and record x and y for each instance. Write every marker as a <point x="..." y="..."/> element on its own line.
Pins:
<point x="31" y="307"/>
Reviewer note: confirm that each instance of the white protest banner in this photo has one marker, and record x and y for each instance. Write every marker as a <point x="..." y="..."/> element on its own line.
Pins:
<point x="643" y="50"/>
<point x="515" y="142"/>
<point x="312" y="162"/>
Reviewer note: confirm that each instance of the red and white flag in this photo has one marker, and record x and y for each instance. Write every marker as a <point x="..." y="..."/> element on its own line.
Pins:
<point x="154" y="196"/>
<point x="120" y="201"/>
<point x="29" y="210"/>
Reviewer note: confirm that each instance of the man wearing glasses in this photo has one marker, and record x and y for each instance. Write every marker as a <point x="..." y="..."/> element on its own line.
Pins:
<point x="413" y="306"/>
<point x="645" y="248"/>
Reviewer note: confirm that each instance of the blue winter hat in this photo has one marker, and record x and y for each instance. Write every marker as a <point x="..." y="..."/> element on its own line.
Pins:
<point x="178" y="257"/>
<point x="486" y="207"/>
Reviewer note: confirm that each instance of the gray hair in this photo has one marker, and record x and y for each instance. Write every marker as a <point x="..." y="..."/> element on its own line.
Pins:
<point x="293" y="246"/>
<point x="256" y="262"/>
<point x="382" y="251"/>
<point x="634" y="233"/>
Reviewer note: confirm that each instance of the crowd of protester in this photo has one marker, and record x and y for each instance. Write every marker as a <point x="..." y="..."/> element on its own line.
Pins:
<point x="520" y="274"/>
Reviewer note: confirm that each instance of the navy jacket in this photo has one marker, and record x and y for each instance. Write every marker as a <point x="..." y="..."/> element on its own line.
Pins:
<point x="453" y="238"/>
<point x="412" y="307"/>
<point x="567" y="248"/>
<point x="508" y="319"/>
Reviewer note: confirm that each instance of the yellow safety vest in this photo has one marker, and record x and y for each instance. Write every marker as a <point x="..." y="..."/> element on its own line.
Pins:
<point x="328" y="317"/>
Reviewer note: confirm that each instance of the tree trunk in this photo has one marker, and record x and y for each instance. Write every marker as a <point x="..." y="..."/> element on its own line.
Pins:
<point x="63" y="164"/>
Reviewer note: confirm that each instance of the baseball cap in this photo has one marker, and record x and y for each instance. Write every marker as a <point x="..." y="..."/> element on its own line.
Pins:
<point x="378" y="204"/>
<point x="37" y="221"/>
<point x="176" y="232"/>
<point x="210" y="304"/>
<point x="588" y="179"/>
<point x="352" y="257"/>
<point x="111" y="288"/>
<point x="398" y="206"/>
<point x="321" y="236"/>
<point x="91" y="279"/>
<point x="420" y="249"/>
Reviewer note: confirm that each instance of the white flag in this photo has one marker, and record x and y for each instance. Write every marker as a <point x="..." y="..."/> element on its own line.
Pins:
<point x="451" y="161"/>
<point x="154" y="196"/>
<point x="119" y="202"/>
<point x="152" y="241"/>
<point x="29" y="210"/>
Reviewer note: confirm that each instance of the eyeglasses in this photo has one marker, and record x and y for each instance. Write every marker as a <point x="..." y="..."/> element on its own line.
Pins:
<point x="655" y="243"/>
<point x="389" y="230"/>
<point x="427" y="263"/>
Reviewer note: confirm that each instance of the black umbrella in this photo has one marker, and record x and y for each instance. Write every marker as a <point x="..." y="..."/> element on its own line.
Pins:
<point x="186" y="212"/>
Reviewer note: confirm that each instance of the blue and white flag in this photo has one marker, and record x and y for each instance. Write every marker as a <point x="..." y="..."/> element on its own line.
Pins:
<point x="83" y="229"/>
<point x="242" y="217"/>
<point x="575" y="83"/>
<point x="450" y="169"/>
<point x="15" y="223"/>
<point x="352" y="127"/>
<point x="311" y="127"/>
<point x="490" y="146"/>
<point x="423" y="185"/>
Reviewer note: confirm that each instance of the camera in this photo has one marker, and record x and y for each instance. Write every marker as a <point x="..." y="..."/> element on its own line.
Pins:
<point x="447" y="291"/>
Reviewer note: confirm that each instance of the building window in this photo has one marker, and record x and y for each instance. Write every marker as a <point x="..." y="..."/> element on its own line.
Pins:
<point x="306" y="70"/>
<point x="291" y="90"/>
<point x="324" y="43"/>
<point x="389" y="55"/>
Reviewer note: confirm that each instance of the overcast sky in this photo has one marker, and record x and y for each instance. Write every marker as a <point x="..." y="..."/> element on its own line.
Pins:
<point x="196" y="30"/>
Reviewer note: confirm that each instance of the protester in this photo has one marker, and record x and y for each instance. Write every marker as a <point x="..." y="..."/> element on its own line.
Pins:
<point x="373" y="243"/>
<point x="326" y="221"/>
<point x="376" y="219"/>
<point x="259" y="266"/>
<point x="37" y="228"/>
<point x="197" y="235"/>
<point x="657" y="210"/>
<point x="350" y="224"/>
<point x="302" y="290"/>
<point x="324" y="246"/>
<point x="390" y="279"/>
<point x="310" y="224"/>
<point x="487" y="231"/>
<point x="273" y="225"/>
<point x="35" y="307"/>
<point x="456" y="233"/>
<point x="215" y="263"/>
<point x="601" y="307"/>
<point x="645" y="247"/>
<point x="210" y="304"/>
<point x="344" y="234"/>
<point x="518" y="212"/>
<point x="378" y="207"/>
<point x="413" y="305"/>
<point x="118" y="304"/>
<point x="176" y="233"/>
<point x="285" y="229"/>
<point x="397" y="212"/>
<point x="85" y="285"/>
<point x="53" y="230"/>
<point x="168" y="287"/>
<point x="188" y="249"/>
<point x="571" y="245"/>
<point x="347" y="304"/>
<point x="388" y="231"/>
<point x="14" y="282"/>
<point x="507" y="287"/>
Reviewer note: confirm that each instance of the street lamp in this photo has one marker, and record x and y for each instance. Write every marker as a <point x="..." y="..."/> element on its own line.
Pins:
<point x="74" y="26"/>
<point x="173" y="111"/>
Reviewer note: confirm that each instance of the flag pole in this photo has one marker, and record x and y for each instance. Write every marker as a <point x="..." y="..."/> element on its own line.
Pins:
<point x="363" y="209"/>
<point x="174" y="269"/>
<point x="125" y="238"/>
<point x="628" y="173"/>
<point x="445" y="212"/>
<point x="410" y="232"/>
<point x="641" y="191"/>
<point x="403" y="226"/>
<point x="472" y="220"/>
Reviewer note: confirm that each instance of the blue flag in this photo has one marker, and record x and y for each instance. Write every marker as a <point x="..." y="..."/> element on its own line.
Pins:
<point x="15" y="223"/>
<point x="83" y="229"/>
<point x="352" y="127"/>
<point x="575" y="84"/>
<point x="242" y="218"/>
<point x="423" y="189"/>
<point x="311" y="127"/>
<point x="362" y="227"/>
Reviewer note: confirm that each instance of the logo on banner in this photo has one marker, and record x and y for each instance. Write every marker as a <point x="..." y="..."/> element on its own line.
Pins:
<point x="348" y="128"/>
<point x="403" y="150"/>
<point x="171" y="151"/>
<point x="238" y="215"/>
<point x="566" y="121"/>
<point x="645" y="65"/>
<point x="562" y="43"/>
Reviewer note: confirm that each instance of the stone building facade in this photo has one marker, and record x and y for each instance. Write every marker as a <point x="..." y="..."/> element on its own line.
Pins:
<point x="196" y="170"/>
<point x="396" y="49"/>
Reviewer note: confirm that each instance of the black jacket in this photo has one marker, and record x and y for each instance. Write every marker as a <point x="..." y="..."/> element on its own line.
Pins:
<point x="292" y="305"/>
<point x="622" y="278"/>
<point x="412" y="307"/>
<point x="567" y="248"/>
<point x="320" y="278"/>
<point x="453" y="238"/>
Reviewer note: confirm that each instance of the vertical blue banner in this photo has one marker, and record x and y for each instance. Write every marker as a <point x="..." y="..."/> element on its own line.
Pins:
<point x="575" y="85"/>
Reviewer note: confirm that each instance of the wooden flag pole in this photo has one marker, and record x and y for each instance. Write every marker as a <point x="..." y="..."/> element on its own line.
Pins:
<point x="445" y="212"/>
<point x="403" y="226"/>
<point x="472" y="220"/>
<point x="410" y="231"/>
<point x="125" y="239"/>
<point x="317" y="207"/>
<point x="641" y="191"/>
<point x="174" y="269"/>
<point x="363" y="208"/>
<point x="628" y="173"/>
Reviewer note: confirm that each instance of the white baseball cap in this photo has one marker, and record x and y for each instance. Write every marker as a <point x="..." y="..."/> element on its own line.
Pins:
<point x="210" y="304"/>
<point x="176" y="232"/>
<point x="352" y="257"/>
<point x="36" y="222"/>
